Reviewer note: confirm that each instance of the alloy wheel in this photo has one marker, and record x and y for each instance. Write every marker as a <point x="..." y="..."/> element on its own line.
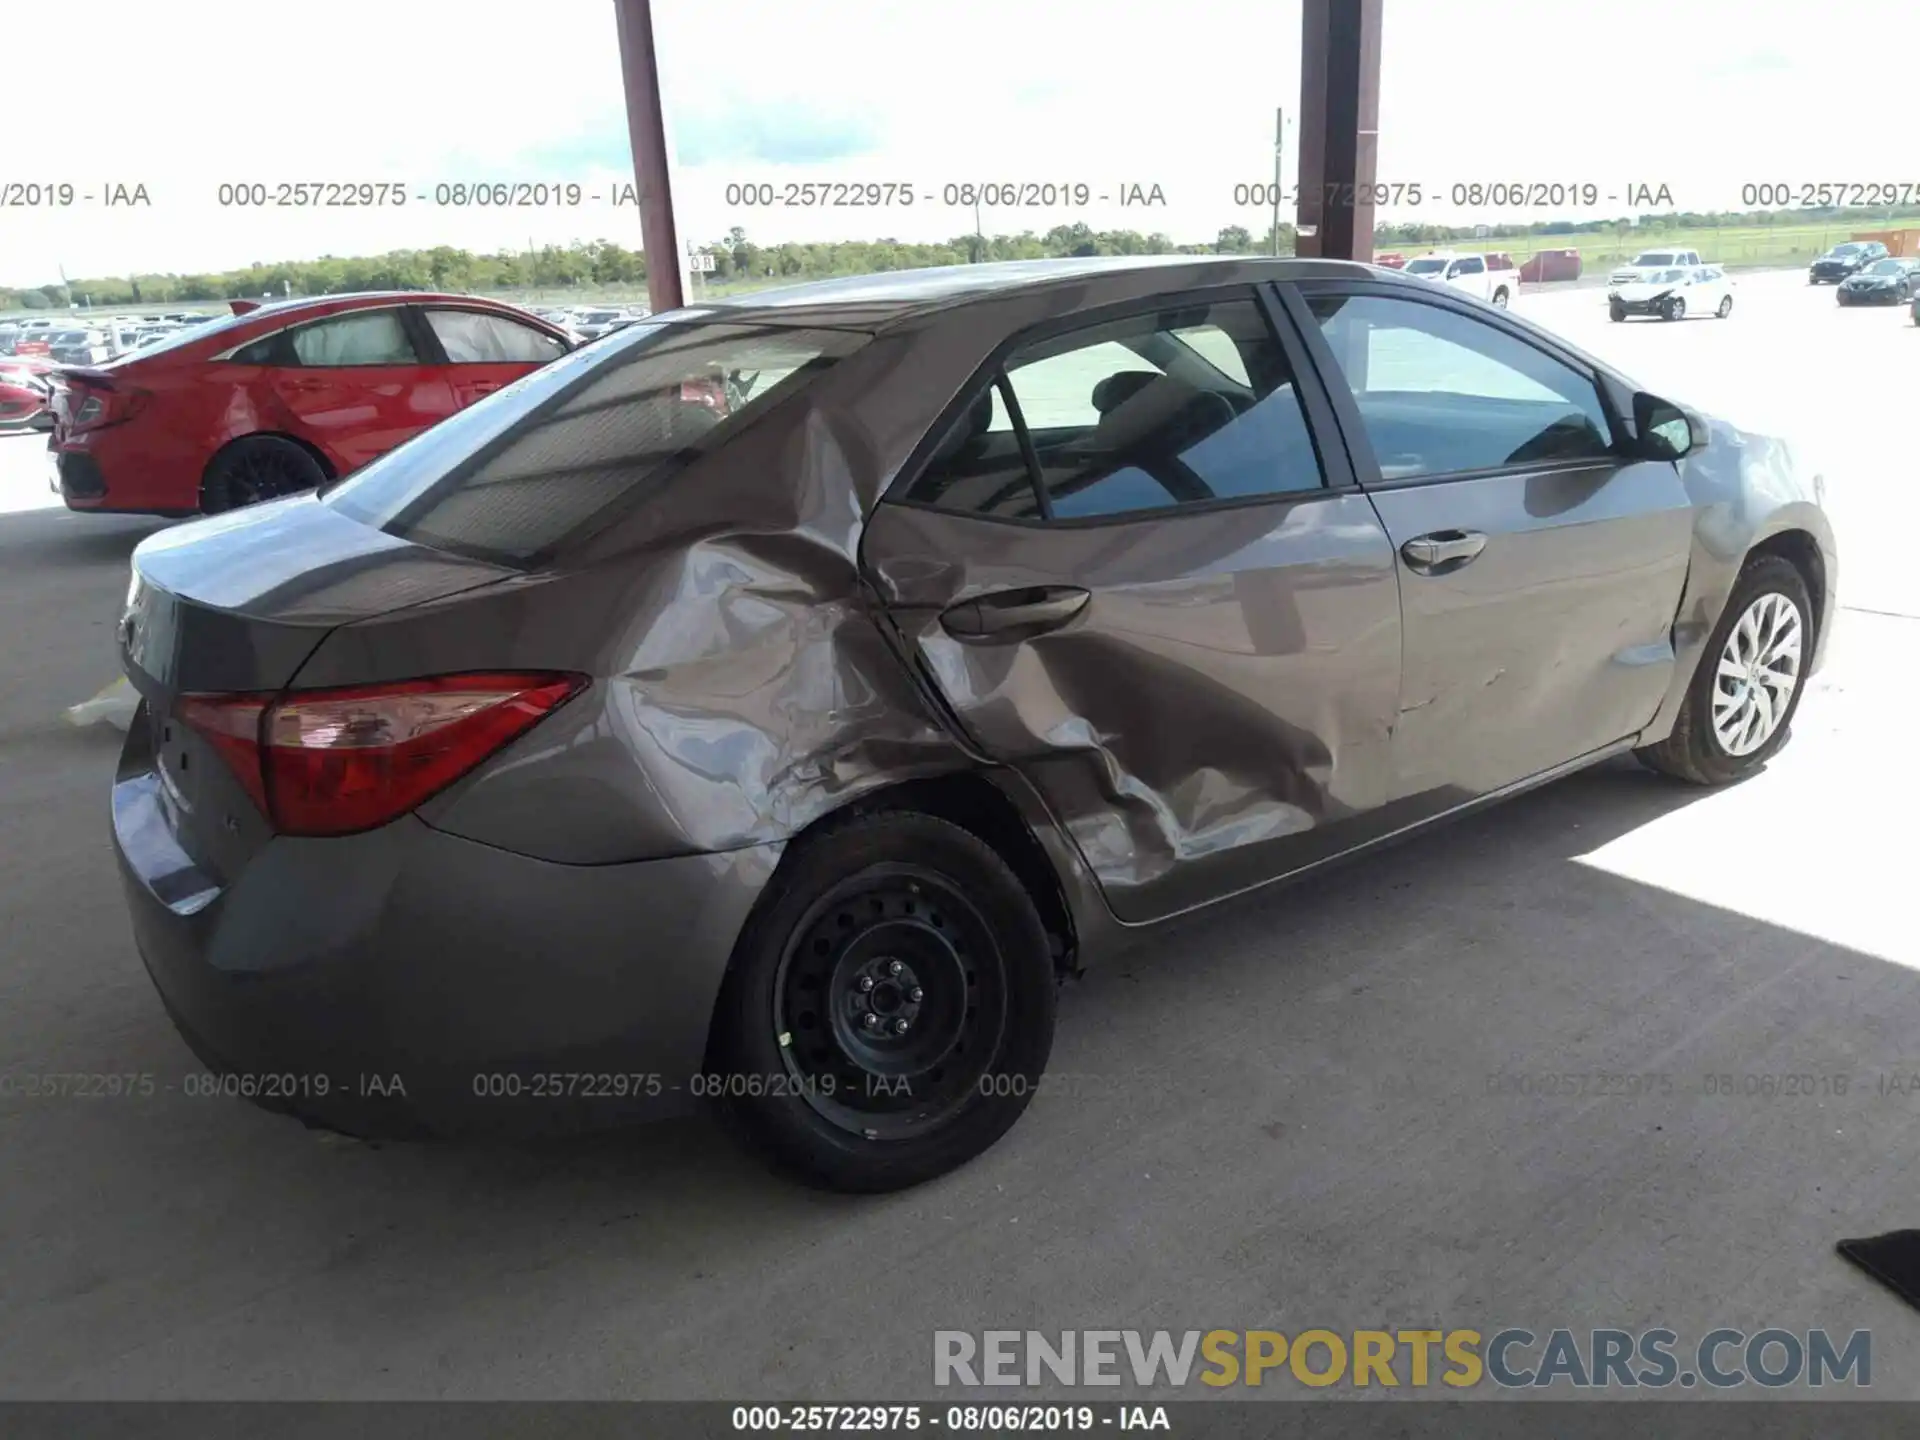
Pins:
<point x="1758" y="670"/>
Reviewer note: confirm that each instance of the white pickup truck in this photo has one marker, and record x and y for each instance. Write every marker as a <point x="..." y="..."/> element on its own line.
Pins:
<point x="1649" y="262"/>
<point x="1493" y="278"/>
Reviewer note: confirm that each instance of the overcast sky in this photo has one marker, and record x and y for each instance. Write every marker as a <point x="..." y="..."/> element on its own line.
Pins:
<point x="1699" y="95"/>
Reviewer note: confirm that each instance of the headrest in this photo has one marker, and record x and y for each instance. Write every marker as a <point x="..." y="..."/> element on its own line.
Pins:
<point x="1114" y="391"/>
<point x="966" y="429"/>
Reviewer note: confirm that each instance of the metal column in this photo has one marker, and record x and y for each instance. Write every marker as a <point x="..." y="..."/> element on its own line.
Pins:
<point x="1339" y="120"/>
<point x="647" y="132"/>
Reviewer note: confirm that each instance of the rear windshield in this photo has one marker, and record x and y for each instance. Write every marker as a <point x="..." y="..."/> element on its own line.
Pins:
<point x="514" y="476"/>
<point x="187" y="334"/>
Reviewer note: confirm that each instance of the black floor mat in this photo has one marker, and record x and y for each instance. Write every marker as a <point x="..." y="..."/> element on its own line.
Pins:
<point x="1893" y="1259"/>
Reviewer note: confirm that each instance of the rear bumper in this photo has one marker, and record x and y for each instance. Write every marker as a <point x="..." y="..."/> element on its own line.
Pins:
<point x="407" y="982"/>
<point x="80" y="481"/>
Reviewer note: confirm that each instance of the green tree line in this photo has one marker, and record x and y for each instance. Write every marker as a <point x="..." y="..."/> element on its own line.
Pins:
<point x="598" y="265"/>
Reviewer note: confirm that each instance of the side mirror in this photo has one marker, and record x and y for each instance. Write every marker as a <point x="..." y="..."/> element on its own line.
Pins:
<point x="1666" y="432"/>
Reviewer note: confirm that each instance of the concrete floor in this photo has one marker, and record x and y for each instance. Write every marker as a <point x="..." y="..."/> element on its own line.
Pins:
<point x="1280" y="1117"/>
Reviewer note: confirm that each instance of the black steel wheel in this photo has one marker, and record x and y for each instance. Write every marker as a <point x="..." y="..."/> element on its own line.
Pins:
<point x="259" y="467"/>
<point x="890" y="1008"/>
<point x="890" y="1001"/>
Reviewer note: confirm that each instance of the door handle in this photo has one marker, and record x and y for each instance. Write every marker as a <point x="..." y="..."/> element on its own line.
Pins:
<point x="1013" y="615"/>
<point x="1443" y="550"/>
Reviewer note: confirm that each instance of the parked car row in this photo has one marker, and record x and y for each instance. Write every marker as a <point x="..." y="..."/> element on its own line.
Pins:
<point x="280" y="397"/>
<point x="89" y="339"/>
<point x="590" y="322"/>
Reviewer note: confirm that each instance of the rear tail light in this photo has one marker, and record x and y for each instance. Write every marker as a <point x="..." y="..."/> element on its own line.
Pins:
<point x="90" y="406"/>
<point x="335" y="762"/>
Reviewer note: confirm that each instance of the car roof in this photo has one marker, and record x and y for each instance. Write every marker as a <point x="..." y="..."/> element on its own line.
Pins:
<point x="295" y="304"/>
<point x="877" y="301"/>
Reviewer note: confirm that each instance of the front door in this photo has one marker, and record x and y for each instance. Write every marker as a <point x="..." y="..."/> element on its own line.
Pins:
<point x="1540" y="570"/>
<point x="1125" y="570"/>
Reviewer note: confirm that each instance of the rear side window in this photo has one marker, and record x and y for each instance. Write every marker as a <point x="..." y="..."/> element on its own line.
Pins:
<point x="515" y="476"/>
<point x="1163" y="409"/>
<point x="366" y="337"/>
<point x="472" y="337"/>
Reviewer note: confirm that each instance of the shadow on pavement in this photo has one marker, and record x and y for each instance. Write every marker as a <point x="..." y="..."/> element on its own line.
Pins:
<point x="1472" y="1073"/>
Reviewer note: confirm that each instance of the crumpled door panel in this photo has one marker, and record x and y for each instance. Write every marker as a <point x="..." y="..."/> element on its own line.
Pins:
<point x="1219" y="713"/>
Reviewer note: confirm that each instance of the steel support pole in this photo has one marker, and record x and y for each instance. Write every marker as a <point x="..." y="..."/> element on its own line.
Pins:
<point x="1339" y="120"/>
<point x="647" y="133"/>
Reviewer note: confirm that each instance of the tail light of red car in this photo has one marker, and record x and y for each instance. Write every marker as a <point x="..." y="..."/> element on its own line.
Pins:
<point x="94" y="404"/>
<point x="336" y="762"/>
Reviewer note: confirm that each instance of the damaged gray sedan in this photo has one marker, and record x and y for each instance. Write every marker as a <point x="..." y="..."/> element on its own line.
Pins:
<point x="773" y="702"/>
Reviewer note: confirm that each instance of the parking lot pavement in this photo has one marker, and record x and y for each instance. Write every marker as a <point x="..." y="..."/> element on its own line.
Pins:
<point x="1617" y="1054"/>
<point x="24" y="472"/>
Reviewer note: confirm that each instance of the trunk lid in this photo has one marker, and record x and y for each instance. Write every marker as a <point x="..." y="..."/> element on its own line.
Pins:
<point x="236" y="603"/>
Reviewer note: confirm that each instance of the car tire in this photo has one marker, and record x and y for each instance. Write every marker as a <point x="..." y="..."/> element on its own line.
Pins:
<point x="1696" y="750"/>
<point x="257" y="468"/>
<point x="911" y="919"/>
<point x="1676" y="309"/>
<point x="1725" y="308"/>
<point x="1500" y="298"/>
<point x="1616" y="312"/>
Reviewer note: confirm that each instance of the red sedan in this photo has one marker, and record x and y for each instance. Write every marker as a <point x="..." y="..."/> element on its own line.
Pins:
<point x="281" y="398"/>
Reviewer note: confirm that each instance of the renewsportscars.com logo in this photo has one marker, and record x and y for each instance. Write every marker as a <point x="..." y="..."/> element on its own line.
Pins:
<point x="1458" y="1359"/>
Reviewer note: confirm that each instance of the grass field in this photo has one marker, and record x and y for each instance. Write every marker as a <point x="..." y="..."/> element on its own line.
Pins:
<point x="1749" y="245"/>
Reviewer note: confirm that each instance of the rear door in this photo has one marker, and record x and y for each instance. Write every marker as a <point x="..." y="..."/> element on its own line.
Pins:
<point x="1540" y="570"/>
<point x="482" y="351"/>
<point x="1134" y="565"/>
<point x="355" y="384"/>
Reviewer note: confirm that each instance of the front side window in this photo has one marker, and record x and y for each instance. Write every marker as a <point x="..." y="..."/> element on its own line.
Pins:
<point x="472" y="337"/>
<point x="367" y="337"/>
<point x="1442" y="393"/>
<point x="1181" y="407"/>
<point x="1470" y="267"/>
